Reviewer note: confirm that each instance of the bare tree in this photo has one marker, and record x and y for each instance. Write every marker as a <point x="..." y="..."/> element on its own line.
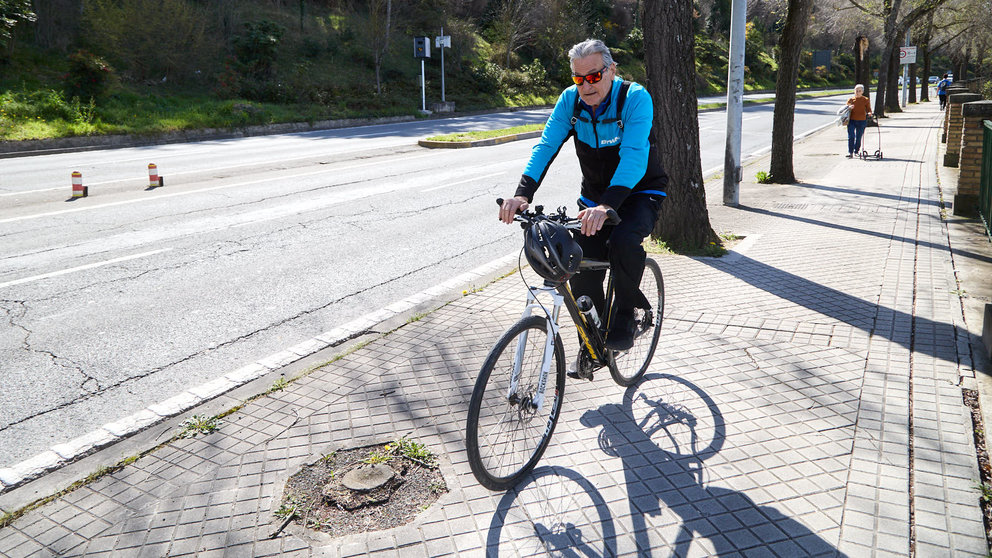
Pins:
<point x="380" y="24"/>
<point x="897" y="20"/>
<point x="12" y="12"/>
<point x="515" y="24"/>
<point x="671" y="70"/>
<point x="925" y="34"/>
<point x="58" y="22"/>
<point x="862" y="74"/>
<point x="789" y="47"/>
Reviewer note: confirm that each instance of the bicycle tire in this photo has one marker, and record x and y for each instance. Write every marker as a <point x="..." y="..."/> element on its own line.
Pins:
<point x="629" y="366"/>
<point x="506" y="438"/>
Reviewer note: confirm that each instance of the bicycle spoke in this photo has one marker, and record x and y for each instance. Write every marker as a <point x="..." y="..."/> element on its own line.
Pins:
<point x="507" y="434"/>
<point x="631" y="364"/>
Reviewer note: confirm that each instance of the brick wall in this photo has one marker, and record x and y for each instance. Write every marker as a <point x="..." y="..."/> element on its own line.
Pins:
<point x="954" y="124"/>
<point x="973" y="115"/>
<point x="956" y="88"/>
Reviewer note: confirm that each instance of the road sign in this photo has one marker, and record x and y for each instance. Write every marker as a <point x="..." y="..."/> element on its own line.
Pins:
<point x="442" y="41"/>
<point x="907" y="55"/>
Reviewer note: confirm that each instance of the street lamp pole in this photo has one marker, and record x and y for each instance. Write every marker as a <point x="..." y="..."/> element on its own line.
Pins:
<point x="735" y="105"/>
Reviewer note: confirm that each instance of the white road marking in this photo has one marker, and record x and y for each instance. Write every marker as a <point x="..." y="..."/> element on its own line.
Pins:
<point x="81" y="268"/>
<point x="474" y="178"/>
<point x="327" y="169"/>
<point x="66" y="187"/>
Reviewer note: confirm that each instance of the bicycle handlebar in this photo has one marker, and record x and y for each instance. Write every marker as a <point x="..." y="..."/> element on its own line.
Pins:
<point x="529" y="217"/>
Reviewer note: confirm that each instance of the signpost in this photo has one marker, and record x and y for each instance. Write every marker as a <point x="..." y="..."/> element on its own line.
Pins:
<point x="441" y="42"/>
<point x="907" y="56"/>
<point x="422" y="50"/>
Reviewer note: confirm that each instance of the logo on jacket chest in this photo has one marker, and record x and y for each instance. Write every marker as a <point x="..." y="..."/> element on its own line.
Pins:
<point x="611" y="141"/>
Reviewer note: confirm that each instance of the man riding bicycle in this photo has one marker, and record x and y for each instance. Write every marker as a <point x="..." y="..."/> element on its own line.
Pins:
<point x="621" y="170"/>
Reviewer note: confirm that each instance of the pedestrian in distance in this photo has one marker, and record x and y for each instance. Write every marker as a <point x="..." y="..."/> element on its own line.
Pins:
<point x="942" y="86"/>
<point x="858" y="119"/>
<point x="611" y="121"/>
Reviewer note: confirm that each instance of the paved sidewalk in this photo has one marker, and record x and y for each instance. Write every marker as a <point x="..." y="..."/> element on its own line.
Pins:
<point x="805" y="400"/>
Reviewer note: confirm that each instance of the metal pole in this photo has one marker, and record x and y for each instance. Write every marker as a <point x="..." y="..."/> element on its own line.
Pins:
<point x="423" y="87"/>
<point x="442" y="63"/>
<point x="735" y="105"/>
<point x="905" y="78"/>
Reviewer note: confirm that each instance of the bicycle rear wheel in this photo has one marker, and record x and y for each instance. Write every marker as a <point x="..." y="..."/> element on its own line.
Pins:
<point x="509" y="426"/>
<point x="628" y="366"/>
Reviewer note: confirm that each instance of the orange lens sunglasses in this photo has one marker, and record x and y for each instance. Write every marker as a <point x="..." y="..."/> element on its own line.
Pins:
<point x="594" y="77"/>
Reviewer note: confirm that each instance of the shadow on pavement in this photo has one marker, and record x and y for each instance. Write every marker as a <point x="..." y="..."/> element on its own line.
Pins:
<point x="851" y="191"/>
<point x="915" y="333"/>
<point x="549" y="514"/>
<point x="807" y="220"/>
<point x="675" y="434"/>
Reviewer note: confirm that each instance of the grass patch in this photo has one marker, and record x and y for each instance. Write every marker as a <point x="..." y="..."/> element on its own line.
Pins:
<point x="486" y="134"/>
<point x="196" y="425"/>
<point x="763" y="177"/>
<point x="412" y="450"/>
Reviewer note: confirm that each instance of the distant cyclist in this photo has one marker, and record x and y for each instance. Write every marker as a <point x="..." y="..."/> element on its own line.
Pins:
<point x="621" y="169"/>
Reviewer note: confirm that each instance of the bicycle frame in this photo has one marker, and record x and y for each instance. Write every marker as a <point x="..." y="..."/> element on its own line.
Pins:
<point x="561" y="295"/>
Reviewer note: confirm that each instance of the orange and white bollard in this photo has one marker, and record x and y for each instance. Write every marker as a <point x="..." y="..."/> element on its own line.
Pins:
<point x="78" y="190"/>
<point x="152" y="175"/>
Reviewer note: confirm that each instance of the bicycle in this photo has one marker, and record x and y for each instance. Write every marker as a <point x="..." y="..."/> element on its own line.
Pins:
<point x="518" y="395"/>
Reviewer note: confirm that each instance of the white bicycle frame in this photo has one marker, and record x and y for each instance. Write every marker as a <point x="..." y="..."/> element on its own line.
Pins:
<point x="549" y="345"/>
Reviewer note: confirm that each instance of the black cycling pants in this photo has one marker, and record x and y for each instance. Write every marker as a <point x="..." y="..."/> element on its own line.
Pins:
<point x="621" y="244"/>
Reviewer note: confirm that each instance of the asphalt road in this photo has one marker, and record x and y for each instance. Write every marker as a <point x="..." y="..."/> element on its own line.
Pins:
<point x="129" y="296"/>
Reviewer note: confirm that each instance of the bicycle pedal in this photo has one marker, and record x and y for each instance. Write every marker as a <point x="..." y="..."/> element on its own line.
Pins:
<point x="580" y="374"/>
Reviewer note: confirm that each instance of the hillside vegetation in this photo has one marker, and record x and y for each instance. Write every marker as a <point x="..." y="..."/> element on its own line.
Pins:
<point x="147" y="66"/>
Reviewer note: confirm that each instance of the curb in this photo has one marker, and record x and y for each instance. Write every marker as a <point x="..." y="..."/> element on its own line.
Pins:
<point x="479" y="143"/>
<point x="27" y="148"/>
<point x="66" y="453"/>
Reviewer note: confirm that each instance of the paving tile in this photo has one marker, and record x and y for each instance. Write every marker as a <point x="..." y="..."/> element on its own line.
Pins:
<point x="809" y="372"/>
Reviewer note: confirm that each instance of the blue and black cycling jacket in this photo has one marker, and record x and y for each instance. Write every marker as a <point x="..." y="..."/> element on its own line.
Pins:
<point x="616" y="159"/>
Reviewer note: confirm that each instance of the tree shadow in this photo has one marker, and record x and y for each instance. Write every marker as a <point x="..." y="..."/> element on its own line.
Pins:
<point x="548" y="514"/>
<point x="675" y="433"/>
<point x="807" y="220"/>
<point x="916" y="333"/>
<point x="853" y="192"/>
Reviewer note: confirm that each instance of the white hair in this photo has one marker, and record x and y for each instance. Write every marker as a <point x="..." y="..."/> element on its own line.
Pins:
<point x="589" y="47"/>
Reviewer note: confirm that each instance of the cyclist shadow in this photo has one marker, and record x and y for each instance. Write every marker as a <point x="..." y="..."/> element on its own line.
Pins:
<point x="549" y="514"/>
<point x="675" y="437"/>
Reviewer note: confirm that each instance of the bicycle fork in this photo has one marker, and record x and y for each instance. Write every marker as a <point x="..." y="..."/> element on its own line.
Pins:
<point x="549" y="344"/>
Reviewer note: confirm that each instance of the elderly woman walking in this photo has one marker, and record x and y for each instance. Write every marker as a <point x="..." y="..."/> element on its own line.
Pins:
<point x="860" y="111"/>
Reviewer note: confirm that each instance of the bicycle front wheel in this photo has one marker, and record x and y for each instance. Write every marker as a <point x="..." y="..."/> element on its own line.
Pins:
<point x="628" y="366"/>
<point x="512" y="415"/>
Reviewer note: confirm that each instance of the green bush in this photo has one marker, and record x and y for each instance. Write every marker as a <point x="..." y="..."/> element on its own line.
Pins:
<point x="89" y="76"/>
<point x="258" y="47"/>
<point x="148" y="40"/>
<point x="487" y="77"/>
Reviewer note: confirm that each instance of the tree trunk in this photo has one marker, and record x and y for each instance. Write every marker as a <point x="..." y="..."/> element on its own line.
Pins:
<point x="892" y="80"/>
<point x="912" y="84"/>
<point x="862" y="72"/>
<point x="789" y="47"/>
<point x="670" y="62"/>
<point x="925" y="49"/>
<point x="57" y="26"/>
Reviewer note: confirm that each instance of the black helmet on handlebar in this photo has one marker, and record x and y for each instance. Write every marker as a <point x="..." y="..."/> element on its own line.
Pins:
<point x="551" y="251"/>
